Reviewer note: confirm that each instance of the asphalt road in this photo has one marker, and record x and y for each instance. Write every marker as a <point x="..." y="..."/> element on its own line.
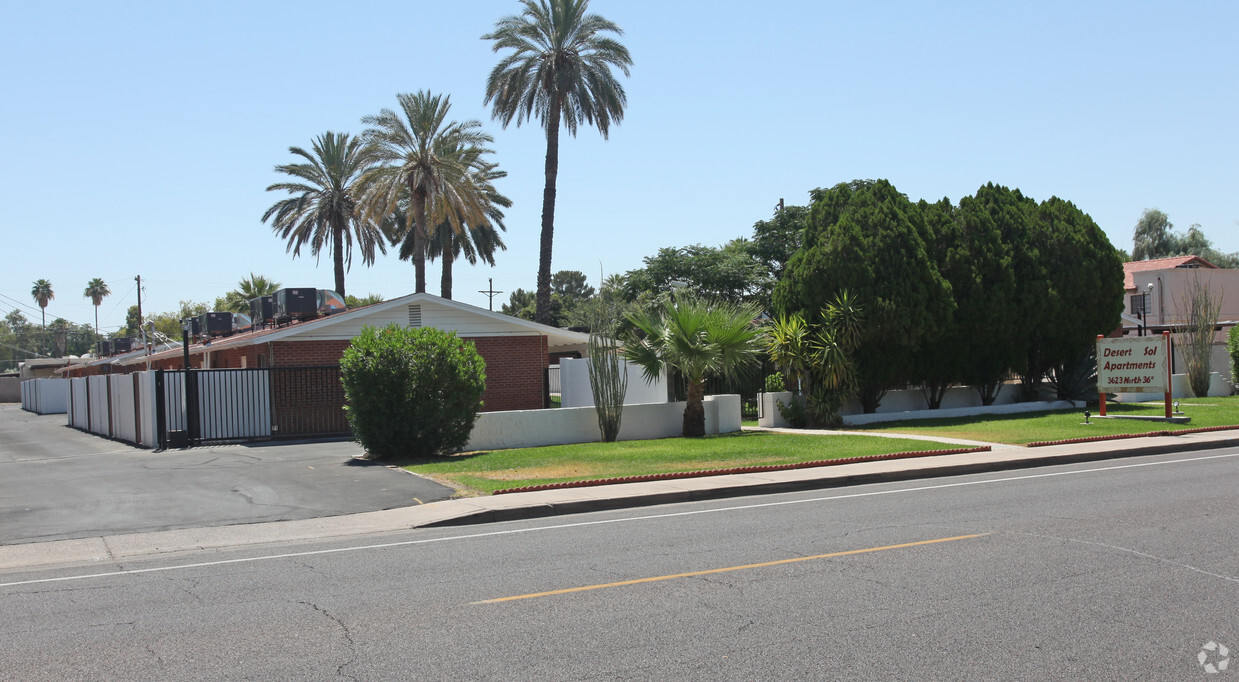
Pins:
<point x="1123" y="569"/>
<point x="60" y="483"/>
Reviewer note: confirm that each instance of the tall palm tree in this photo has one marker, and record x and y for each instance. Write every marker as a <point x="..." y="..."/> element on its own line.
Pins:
<point x="43" y="294"/>
<point x="430" y="160"/>
<point x="697" y="339"/>
<point x="476" y="240"/>
<point x="324" y="210"/>
<point x="559" y="71"/>
<point x="96" y="291"/>
<point x="238" y="300"/>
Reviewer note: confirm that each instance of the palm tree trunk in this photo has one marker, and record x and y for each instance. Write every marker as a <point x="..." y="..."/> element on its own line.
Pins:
<point x="695" y="411"/>
<point x="337" y="248"/>
<point x="97" y="319"/>
<point x="543" y="313"/>
<point x="419" y="239"/>
<point x="445" y="282"/>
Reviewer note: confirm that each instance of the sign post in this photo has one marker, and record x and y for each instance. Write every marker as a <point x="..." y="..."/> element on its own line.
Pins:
<point x="1169" y="378"/>
<point x="1136" y="364"/>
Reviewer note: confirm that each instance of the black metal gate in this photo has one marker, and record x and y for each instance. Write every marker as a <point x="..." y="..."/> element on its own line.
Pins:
<point x="239" y="405"/>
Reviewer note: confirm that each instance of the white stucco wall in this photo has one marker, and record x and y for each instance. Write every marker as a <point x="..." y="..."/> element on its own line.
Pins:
<point x="575" y="389"/>
<point x="532" y="428"/>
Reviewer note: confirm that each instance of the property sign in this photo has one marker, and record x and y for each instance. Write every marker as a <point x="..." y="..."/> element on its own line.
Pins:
<point x="1137" y="364"/>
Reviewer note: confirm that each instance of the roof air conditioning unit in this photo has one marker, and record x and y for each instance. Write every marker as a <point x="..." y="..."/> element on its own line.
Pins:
<point x="103" y="348"/>
<point x="262" y="310"/>
<point x="195" y="323"/>
<point x="295" y="304"/>
<point x="211" y="325"/>
<point x="123" y="345"/>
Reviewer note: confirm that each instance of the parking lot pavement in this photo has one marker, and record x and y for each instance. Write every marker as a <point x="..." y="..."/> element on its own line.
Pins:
<point x="59" y="483"/>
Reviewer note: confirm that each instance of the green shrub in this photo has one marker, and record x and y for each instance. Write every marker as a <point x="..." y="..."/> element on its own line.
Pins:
<point x="774" y="383"/>
<point x="411" y="393"/>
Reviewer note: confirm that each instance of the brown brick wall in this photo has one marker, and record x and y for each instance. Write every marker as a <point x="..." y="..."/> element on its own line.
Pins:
<point x="307" y="353"/>
<point x="514" y="365"/>
<point x="514" y="372"/>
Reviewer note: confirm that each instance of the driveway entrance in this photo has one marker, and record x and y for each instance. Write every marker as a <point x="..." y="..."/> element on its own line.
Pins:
<point x="58" y="483"/>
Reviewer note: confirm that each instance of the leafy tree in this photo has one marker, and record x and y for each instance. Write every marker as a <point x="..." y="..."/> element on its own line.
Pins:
<point x="942" y="357"/>
<point x="133" y="323"/>
<point x="774" y="241"/>
<point x="697" y="339"/>
<point x="324" y="209"/>
<point x="571" y="286"/>
<point x="96" y="290"/>
<point x="977" y="257"/>
<point x="354" y="302"/>
<point x="559" y="70"/>
<point x="15" y="321"/>
<point x="1085" y="280"/>
<point x="71" y="339"/>
<point x="434" y="164"/>
<point x="1152" y="237"/>
<point x="238" y="300"/>
<point x="588" y="307"/>
<point x="728" y="274"/>
<point x="869" y="239"/>
<point x="570" y="294"/>
<point x="169" y="323"/>
<point x="411" y="393"/>
<point x="1195" y="243"/>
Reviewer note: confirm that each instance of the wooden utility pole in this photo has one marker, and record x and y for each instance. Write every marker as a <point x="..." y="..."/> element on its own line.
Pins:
<point x="490" y="292"/>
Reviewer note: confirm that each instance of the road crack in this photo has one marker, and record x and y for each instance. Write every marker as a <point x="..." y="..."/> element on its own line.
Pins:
<point x="348" y="637"/>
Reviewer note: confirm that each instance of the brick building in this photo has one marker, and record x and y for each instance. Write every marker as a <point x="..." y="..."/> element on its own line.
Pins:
<point x="516" y="351"/>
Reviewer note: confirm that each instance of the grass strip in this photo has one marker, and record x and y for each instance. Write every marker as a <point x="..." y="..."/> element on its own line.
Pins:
<point x="486" y="472"/>
<point x="1022" y="429"/>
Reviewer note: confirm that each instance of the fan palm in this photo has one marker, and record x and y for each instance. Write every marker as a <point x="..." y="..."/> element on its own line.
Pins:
<point x="238" y="300"/>
<point x="559" y="71"/>
<point x="42" y="293"/>
<point x="324" y="210"/>
<point x="431" y="161"/>
<point x="697" y="339"/>
<point x="96" y="291"/>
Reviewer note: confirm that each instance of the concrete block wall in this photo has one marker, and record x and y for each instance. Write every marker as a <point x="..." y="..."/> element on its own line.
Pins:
<point x="533" y="428"/>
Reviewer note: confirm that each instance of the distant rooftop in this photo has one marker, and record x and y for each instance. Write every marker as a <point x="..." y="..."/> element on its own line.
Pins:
<point x="1129" y="281"/>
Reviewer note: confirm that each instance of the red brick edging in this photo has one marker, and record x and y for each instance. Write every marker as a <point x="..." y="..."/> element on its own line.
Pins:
<point x="738" y="470"/>
<point x="1121" y="436"/>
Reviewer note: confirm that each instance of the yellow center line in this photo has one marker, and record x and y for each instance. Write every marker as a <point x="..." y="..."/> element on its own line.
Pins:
<point x="727" y="569"/>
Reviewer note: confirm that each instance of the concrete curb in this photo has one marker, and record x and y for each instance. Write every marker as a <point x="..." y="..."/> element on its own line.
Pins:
<point x="832" y="479"/>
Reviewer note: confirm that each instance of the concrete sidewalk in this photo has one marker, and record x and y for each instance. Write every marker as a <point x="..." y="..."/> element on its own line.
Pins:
<point x="120" y="548"/>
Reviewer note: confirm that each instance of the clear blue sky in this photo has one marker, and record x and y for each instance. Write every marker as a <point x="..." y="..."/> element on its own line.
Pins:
<point x="142" y="135"/>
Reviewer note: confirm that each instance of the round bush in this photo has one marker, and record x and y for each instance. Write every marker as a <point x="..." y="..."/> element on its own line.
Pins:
<point x="411" y="393"/>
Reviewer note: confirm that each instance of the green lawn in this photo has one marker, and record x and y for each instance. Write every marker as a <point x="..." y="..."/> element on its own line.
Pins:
<point x="1021" y="429"/>
<point x="487" y="472"/>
